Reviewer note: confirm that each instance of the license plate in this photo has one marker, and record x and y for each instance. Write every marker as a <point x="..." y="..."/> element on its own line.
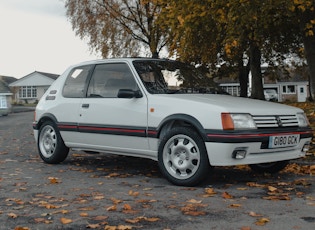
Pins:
<point x="284" y="141"/>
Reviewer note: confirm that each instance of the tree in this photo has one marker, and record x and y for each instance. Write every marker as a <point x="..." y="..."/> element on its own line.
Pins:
<point x="118" y="27"/>
<point x="303" y="13"/>
<point x="236" y="31"/>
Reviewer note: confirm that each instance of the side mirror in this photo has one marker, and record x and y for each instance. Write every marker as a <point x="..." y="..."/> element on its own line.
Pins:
<point x="129" y="93"/>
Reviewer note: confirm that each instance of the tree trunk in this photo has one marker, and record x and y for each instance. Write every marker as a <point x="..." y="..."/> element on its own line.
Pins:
<point x="255" y="68"/>
<point x="243" y="72"/>
<point x="309" y="47"/>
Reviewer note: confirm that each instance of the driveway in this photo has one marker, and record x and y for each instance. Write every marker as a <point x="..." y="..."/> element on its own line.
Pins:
<point x="103" y="191"/>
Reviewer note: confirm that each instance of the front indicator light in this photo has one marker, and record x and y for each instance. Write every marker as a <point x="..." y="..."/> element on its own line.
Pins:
<point x="237" y="121"/>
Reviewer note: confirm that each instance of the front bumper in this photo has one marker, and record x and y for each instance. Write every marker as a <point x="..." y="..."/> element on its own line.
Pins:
<point x="221" y="154"/>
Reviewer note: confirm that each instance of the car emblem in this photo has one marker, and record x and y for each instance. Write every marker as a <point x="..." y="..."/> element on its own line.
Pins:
<point x="279" y="121"/>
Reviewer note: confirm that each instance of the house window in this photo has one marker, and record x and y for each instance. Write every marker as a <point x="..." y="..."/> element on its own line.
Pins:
<point x="3" y="102"/>
<point x="289" y="89"/>
<point x="28" y="92"/>
<point x="233" y="90"/>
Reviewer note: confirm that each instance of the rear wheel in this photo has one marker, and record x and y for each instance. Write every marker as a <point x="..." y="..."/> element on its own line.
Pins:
<point x="272" y="167"/>
<point x="50" y="144"/>
<point x="182" y="157"/>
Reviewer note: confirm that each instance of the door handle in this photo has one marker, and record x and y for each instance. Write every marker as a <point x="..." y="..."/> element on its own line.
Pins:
<point x="85" y="106"/>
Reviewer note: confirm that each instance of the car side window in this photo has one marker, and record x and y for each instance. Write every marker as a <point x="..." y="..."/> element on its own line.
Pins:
<point x="107" y="79"/>
<point x="76" y="81"/>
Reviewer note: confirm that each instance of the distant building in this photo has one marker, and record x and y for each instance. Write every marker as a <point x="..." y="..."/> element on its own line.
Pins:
<point x="5" y="95"/>
<point x="30" y="89"/>
<point x="291" y="87"/>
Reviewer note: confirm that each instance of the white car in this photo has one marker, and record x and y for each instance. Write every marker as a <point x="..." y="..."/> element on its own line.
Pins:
<point x="159" y="109"/>
<point x="271" y="95"/>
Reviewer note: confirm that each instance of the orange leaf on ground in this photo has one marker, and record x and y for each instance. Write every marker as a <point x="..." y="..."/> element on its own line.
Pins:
<point x="262" y="221"/>
<point x="65" y="220"/>
<point x="272" y="189"/>
<point x="12" y="215"/>
<point x="235" y="205"/>
<point x="112" y="208"/>
<point x="226" y="195"/>
<point x="254" y="214"/>
<point x="210" y="191"/>
<point x="93" y="226"/>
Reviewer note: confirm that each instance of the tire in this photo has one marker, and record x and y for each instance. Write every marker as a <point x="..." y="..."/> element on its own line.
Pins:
<point x="182" y="157"/>
<point x="272" y="167"/>
<point x="50" y="144"/>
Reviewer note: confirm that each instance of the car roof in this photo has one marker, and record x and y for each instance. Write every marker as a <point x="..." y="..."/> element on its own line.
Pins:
<point x="125" y="59"/>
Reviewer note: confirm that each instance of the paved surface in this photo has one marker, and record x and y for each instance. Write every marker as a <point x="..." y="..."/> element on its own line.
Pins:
<point x="98" y="191"/>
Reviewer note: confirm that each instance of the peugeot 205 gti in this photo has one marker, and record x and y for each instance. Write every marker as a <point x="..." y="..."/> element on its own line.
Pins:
<point x="166" y="111"/>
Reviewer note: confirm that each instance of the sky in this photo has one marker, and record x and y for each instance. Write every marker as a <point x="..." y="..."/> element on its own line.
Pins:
<point x="35" y="35"/>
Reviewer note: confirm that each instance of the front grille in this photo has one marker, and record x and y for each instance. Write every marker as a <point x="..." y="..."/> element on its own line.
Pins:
<point x="274" y="121"/>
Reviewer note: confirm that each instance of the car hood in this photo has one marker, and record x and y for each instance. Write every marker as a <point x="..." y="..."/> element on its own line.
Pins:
<point x="227" y="103"/>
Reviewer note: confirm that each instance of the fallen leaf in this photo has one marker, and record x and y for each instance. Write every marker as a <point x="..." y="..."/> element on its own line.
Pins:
<point x="262" y="221"/>
<point x="115" y="201"/>
<point x="210" y="191"/>
<point x="235" y="205"/>
<point x="226" y="195"/>
<point x="84" y="214"/>
<point x="65" y="220"/>
<point x="99" y="197"/>
<point x="272" y="189"/>
<point x="195" y="213"/>
<point x="112" y="208"/>
<point x="124" y="227"/>
<point x="127" y="207"/>
<point x="132" y="193"/>
<point x="53" y="180"/>
<point x="254" y="214"/>
<point x="254" y="184"/>
<point x="194" y="201"/>
<point x="93" y="226"/>
<point x="245" y="228"/>
<point x="12" y="215"/>
<point x="21" y="228"/>
<point x="100" y="218"/>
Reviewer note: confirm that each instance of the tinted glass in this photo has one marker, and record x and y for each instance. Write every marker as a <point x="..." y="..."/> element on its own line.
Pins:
<point x="76" y="81"/>
<point x="165" y="76"/>
<point x="107" y="79"/>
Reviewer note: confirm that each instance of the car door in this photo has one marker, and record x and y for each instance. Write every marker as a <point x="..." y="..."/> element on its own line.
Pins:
<point x="67" y="110"/>
<point x="109" y="123"/>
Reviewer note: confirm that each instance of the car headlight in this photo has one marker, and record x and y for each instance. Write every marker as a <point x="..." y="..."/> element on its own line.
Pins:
<point x="232" y="121"/>
<point x="302" y="119"/>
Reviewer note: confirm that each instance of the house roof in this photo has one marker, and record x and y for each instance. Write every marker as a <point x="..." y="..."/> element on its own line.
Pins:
<point x="4" y="88"/>
<point x="35" y="78"/>
<point x="50" y="75"/>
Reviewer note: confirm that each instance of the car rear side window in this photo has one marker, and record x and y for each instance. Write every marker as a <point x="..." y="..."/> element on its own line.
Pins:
<point x="108" y="78"/>
<point x="76" y="81"/>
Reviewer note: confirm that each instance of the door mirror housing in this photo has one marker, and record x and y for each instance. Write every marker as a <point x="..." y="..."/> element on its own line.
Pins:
<point x="129" y="93"/>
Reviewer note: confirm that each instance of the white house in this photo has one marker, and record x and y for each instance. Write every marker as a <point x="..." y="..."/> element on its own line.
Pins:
<point x="30" y="89"/>
<point x="5" y="98"/>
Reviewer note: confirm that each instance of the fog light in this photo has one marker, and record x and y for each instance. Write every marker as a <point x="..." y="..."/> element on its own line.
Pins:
<point x="306" y="147"/>
<point x="239" y="153"/>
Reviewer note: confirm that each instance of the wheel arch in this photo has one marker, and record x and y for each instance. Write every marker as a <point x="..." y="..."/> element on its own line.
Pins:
<point x="46" y="117"/>
<point x="177" y="120"/>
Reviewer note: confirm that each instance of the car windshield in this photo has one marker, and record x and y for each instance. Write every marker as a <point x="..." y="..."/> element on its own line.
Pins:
<point x="166" y="77"/>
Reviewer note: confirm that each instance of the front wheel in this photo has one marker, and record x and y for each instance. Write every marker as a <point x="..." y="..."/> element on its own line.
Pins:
<point x="272" y="167"/>
<point x="182" y="157"/>
<point x="50" y="144"/>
